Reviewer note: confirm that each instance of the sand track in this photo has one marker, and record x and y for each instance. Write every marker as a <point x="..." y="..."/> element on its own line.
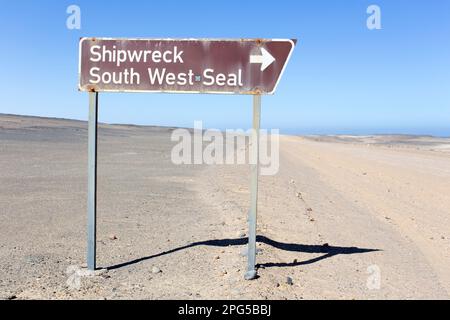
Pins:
<point x="340" y="212"/>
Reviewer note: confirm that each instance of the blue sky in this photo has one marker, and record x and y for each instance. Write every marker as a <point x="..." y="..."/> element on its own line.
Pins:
<point x="342" y="77"/>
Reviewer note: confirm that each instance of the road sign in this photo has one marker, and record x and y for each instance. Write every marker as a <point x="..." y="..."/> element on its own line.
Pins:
<point x="243" y="66"/>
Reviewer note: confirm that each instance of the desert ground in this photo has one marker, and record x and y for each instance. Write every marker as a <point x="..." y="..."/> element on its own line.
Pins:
<point x="346" y="217"/>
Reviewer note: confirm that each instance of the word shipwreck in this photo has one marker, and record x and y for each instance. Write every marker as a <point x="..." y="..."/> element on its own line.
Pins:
<point x="155" y="75"/>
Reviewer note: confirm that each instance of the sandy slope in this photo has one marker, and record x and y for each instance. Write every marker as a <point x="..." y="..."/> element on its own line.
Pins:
<point x="391" y="198"/>
<point x="338" y="209"/>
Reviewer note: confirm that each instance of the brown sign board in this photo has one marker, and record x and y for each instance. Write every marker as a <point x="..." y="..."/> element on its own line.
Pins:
<point x="241" y="66"/>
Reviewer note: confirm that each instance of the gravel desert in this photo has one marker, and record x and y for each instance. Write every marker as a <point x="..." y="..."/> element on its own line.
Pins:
<point x="346" y="217"/>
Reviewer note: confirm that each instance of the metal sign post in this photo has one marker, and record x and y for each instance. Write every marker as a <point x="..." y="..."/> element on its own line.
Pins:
<point x="92" y="181"/>
<point x="252" y="215"/>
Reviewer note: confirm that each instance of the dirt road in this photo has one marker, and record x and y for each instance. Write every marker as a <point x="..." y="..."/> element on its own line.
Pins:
<point x="344" y="218"/>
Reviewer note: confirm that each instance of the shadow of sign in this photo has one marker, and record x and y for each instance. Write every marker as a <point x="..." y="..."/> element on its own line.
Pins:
<point x="329" y="251"/>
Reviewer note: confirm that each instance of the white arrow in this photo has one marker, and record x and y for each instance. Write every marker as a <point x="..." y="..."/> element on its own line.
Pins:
<point x="265" y="59"/>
